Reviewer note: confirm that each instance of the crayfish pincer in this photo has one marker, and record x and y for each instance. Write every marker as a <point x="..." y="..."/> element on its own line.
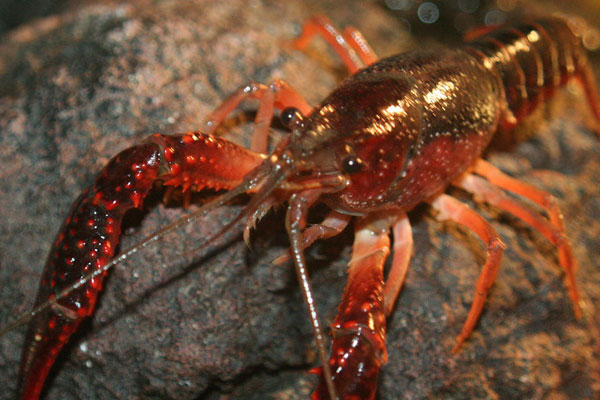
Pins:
<point x="396" y="133"/>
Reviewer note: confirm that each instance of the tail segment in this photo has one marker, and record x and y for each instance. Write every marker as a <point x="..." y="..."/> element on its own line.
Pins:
<point x="535" y="58"/>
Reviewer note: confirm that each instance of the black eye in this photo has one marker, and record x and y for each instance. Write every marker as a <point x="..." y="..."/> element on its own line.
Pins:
<point x="352" y="164"/>
<point x="290" y="116"/>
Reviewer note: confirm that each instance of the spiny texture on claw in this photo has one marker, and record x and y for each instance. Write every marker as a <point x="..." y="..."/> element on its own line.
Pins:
<point x="204" y="161"/>
<point x="88" y="238"/>
<point x="86" y="242"/>
<point x="358" y="348"/>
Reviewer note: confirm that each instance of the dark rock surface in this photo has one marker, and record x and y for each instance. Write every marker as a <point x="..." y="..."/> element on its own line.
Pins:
<point x="177" y="324"/>
<point x="15" y="12"/>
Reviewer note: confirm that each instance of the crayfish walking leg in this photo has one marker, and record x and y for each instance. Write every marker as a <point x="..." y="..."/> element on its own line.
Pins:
<point x="358" y="347"/>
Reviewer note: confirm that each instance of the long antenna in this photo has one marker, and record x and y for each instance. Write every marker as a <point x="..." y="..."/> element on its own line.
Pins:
<point x="295" y="219"/>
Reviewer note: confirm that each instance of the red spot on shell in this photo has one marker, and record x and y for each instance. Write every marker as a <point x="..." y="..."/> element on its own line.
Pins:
<point x="107" y="248"/>
<point x="94" y="283"/>
<point x="93" y="254"/>
<point x="70" y="260"/>
<point x="81" y="244"/>
<point x="52" y="323"/>
<point x="349" y="325"/>
<point x="136" y="198"/>
<point x="91" y="223"/>
<point x="111" y="205"/>
<point x="175" y="169"/>
<point x="190" y="159"/>
<point x="95" y="242"/>
<point x="128" y="185"/>
<point x="168" y="152"/>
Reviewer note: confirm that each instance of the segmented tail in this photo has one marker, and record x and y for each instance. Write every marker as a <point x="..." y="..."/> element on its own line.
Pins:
<point x="535" y="58"/>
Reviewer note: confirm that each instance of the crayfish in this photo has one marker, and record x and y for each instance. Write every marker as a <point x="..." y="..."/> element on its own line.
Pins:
<point x="396" y="133"/>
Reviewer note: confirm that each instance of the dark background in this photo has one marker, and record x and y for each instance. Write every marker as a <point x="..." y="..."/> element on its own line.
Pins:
<point x="16" y="12"/>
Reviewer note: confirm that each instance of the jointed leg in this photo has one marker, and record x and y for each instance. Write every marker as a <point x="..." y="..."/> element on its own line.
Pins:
<point x="332" y="225"/>
<point x="451" y="209"/>
<point x="357" y="41"/>
<point x="557" y="235"/>
<point x="588" y="82"/>
<point x="349" y="46"/>
<point x="403" y="245"/>
<point x="358" y="349"/>
<point x="278" y="94"/>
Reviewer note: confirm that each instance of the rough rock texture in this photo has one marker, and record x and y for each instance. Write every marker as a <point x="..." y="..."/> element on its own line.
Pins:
<point x="175" y="323"/>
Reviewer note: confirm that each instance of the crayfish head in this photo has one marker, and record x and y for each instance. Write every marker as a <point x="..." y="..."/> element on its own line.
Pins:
<point x="363" y="135"/>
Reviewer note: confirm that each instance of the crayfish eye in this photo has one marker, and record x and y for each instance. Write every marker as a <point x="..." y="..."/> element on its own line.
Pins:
<point x="352" y="164"/>
<point x="290" y="116"/>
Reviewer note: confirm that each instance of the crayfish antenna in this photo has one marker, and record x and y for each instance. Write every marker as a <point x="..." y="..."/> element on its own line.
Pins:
<point x="295" y="222"/>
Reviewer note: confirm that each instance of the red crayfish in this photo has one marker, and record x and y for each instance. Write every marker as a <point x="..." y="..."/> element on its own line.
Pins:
<point x="394" y="134"/>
